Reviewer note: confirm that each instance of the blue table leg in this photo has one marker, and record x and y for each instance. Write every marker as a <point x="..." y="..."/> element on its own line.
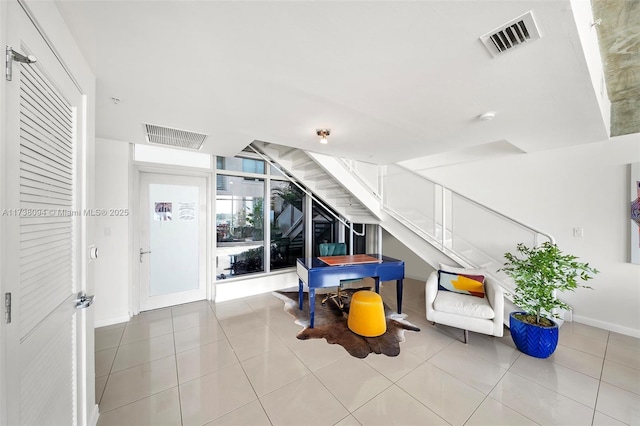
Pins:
<point x="399" y="295"/>
<point x="300" y="294"/>
<point x="312" y="306"/>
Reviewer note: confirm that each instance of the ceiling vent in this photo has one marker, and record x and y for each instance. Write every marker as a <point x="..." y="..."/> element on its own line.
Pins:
<point x="174" y="137"/>
<point x="514" y="33"/>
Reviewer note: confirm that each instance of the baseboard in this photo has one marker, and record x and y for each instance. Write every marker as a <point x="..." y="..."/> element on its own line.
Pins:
<point x="607" y="326"/>
<point x="111" y="321"/>
<point x="93" y="420"/>
<point x="230" y="290"/>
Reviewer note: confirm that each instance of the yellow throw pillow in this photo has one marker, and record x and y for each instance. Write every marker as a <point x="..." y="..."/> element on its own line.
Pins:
<point x="461" y="283"/>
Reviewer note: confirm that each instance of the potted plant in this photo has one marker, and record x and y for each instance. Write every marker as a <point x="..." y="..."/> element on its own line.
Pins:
<point x="539" y="272"/>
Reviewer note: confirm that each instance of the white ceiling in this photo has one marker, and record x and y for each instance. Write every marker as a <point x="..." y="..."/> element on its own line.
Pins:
<point x="392" y="80"/>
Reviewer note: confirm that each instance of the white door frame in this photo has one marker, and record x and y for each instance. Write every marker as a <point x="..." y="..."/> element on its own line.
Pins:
<point x="138" y="169"/>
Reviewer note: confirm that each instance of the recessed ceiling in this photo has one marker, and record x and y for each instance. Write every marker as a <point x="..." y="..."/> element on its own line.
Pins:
<point x="393" y="81"/>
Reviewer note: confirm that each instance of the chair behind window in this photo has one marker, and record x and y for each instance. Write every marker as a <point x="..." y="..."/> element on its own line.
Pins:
<point x="333" y="249"/>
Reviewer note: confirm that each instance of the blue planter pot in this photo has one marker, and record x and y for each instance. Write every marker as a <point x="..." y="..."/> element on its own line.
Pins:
<point x="533" y="340"/>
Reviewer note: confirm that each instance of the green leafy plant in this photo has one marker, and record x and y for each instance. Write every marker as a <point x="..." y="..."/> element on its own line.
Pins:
<point x="538" y="272"/>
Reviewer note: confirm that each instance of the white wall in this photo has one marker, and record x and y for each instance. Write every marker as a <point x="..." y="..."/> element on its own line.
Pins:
<point x="112" y="233"/>
<point x="582" y="186"/>
<point x="414" y="266"/>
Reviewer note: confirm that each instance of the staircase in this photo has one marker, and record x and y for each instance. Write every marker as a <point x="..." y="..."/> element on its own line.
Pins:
<point x="329" y="190"/>
<point x="437" y="224"/>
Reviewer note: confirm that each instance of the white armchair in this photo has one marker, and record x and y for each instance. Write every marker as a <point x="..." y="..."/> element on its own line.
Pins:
<point x="470" y="313"/>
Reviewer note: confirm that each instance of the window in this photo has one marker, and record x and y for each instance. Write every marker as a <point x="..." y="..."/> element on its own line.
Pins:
<point x="249" y="196"/>
<point x="240" y="227"/>
<point x="244" y="188"/>
<point x="240" y="164"/>
<point x="286" y="224"/>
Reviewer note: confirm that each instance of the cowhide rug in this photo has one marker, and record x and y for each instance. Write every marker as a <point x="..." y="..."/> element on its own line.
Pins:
<point x="331" y="324"/>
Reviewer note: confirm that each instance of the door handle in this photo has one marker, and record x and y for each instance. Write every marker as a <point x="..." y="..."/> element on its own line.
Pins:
<point x="143" y="252"/>
<point x="83" y="301"/>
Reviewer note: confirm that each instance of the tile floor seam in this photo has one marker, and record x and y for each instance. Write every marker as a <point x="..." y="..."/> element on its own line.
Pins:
<point x="102" y="393"/>
<point x="252" y="387"/>
<point x="577" y="349"/>
<point x="578" y="371"/>
<point x="175" y="355"/>
<point x="421" y="403"/>
<point x="263" y="409"/>
<point x="529" y="380"/>
<point x="110" y="367"/>
<point x="345" y="418"/>
<point x="613" y="384"/>
<point x="331" y="393"/>
<point x="595" y="404"/>
<point x="372" y="398"/>
<point x="562" y="394"/>
<point x="317" y="378"/>
<point x="242" y="406"/>
<point x="487" y="395"/>
<point x="138" y="400"/>
<point x="459" y="380"/>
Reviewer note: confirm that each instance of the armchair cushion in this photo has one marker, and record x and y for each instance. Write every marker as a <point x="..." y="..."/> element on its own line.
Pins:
<point x="463" y="304"/>
<point x="461" y="283"/>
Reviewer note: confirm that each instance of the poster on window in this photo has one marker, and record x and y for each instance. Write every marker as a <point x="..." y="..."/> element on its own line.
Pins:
<point x="635" y="213"/>
<point x="186" y="211"/>
<point x="163" y="212"/>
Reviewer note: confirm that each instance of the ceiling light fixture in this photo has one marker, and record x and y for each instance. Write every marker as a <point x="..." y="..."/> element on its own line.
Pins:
<point x="323" y="133"/>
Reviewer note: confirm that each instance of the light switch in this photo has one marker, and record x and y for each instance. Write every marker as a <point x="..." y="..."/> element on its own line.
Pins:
<point x="578" y="232"/>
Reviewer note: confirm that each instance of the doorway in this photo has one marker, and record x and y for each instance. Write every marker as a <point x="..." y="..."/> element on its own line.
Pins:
<point x="172" y="252"/>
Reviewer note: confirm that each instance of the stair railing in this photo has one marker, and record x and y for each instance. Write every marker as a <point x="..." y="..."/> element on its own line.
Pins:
<point x="310" y="194"/>
<point x="469" y="232"/>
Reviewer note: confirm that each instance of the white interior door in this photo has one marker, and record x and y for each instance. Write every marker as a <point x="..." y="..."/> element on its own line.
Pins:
<point x="172" y="251"/>
<point x="44" y="365"/>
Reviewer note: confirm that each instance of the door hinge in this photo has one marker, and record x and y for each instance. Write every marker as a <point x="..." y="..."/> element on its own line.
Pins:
<point x="7" y="308"/>
<point x="10" y="56"/>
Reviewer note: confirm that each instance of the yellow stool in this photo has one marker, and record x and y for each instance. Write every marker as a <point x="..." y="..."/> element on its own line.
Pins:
<point x="366" y="314"/>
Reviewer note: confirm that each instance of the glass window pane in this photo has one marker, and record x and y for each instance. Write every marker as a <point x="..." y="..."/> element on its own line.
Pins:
<point x="238" y="164"/>
<point x="239" y="226"/>
<point x="286" y="224"/>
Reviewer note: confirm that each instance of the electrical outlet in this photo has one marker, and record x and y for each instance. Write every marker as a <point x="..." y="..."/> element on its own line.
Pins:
<point x="578" y="232"/>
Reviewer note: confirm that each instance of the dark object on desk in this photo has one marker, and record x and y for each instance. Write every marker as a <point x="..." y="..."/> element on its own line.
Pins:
<point x="335" y="254"/>
<point x="331" y="324"/>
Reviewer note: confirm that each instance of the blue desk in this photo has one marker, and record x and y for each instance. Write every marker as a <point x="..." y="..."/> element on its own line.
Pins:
<point x="317" y="274"/>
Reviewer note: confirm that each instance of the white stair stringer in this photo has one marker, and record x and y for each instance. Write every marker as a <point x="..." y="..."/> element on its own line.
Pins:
<point x="327" y="188"/>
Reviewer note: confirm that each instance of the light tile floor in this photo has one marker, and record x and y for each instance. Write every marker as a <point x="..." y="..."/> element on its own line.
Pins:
<point x="239" y="363"/>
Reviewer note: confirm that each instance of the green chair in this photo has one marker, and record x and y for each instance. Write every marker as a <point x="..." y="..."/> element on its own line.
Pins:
<point x="335" y="249"/>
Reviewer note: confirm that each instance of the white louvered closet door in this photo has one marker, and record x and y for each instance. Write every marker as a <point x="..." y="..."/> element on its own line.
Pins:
<point x="43" y="225"/>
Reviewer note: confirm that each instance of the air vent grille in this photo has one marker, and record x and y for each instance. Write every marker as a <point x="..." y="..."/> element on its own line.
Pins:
<point x="174" y="137"/>
<point x="512" y="34"/>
